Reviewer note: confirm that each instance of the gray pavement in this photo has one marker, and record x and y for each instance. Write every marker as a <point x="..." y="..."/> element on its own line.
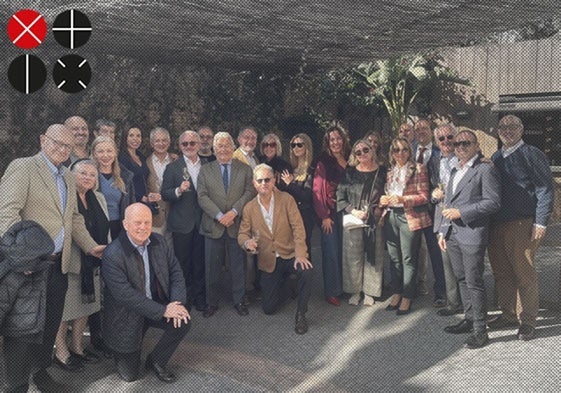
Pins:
<point x="362" y="349"/>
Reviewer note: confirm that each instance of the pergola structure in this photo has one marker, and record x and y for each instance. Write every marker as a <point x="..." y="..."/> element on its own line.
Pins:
<point x="286" y="34"/>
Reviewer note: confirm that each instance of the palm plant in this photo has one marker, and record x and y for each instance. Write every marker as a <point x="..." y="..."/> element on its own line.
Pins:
<point x="398" y="81"/>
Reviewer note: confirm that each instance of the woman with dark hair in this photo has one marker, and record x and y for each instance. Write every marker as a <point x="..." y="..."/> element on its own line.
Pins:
<point x="271" y="152"/>
<point x="406" y="199"/>
<point x="115" y="183"/>
<point x="132" y="158"/>
<point x="83" y="294"/>
<point x="375" y="140"/>
<point x="328" y="172"/>
<point x="358" y="195"/>
<point x="298" y="181"/>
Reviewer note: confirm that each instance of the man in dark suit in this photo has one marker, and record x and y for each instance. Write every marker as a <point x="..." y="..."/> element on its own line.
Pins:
<point x="144" y="288"/>
<point x="472" y="196"/>
<point x="224" y="187"/>
<point x="179" y="188"/>
<point x="40" y="189"/>
<point x="280" y="244"/>
<point x="428" y="154"/>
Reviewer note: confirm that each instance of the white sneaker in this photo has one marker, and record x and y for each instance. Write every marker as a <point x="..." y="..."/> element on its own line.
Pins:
<point x="368" y="300"/>
<point x="355" y="299"/>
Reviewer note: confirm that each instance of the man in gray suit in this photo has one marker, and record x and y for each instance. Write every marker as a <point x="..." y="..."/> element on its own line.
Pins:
<point x="179" y="187"/>
<point x="39" y="188"/>
<point x="224" y="187"/>
<point x="472" y="196"/>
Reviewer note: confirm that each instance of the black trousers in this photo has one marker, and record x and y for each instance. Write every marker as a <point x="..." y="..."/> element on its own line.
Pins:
<point x="275" y="290"/>
<point x="190" y="252"/>
<point x="128" y="364"/>
<point x="26" y="354"/>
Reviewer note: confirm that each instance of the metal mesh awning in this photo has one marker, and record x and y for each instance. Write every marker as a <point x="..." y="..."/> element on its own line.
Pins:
<point x="286" y="33"/>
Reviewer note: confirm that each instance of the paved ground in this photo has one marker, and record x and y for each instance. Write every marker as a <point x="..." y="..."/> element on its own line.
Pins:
<point x="364" y="349"/>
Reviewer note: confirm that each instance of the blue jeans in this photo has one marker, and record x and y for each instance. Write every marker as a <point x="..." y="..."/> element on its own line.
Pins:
<point x="331" y="260"/>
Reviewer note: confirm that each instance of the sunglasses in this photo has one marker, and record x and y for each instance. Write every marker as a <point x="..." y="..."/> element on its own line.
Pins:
<point x="442" y="138"/>
<point x="359" y="152"/>
<point x="463" y="143"/>
<point x="398" y="150"/>
<point x="294" y="145"/>
<point x="188" y="143"/>
<point x="270" y="144"/>
<point x="265" y="180"/>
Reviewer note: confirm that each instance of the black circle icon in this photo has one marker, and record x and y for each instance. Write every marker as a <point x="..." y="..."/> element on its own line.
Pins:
<point x="72" y="29"/>
<point x="27" y="73"/>
<point x="72" y="73"/>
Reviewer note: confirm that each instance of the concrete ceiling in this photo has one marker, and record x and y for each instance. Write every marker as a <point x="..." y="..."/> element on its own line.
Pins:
<point x="285" y="34"/>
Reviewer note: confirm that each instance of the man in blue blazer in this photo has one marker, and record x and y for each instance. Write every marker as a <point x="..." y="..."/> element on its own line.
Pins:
<point x="428" y="154"/>
<point x="473" y="194"/>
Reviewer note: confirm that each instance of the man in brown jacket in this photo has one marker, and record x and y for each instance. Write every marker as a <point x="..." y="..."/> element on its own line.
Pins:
<point x="272" y="228"/>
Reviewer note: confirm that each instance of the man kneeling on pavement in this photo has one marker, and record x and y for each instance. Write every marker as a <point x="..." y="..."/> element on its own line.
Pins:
<point x="144" y="288"/>
<point x="272" y="228"/>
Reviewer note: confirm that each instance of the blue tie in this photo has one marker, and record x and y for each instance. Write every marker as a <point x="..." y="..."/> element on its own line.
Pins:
<point x="225" y="178"/>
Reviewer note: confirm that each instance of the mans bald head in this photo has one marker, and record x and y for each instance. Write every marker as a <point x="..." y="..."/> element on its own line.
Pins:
<point x="56" y="143"/>
<point x="138" y="223"/>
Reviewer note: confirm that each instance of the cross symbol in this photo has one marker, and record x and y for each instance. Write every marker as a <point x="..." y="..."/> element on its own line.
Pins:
<point x="72" y="29"/>
<point x="34" y="29"/>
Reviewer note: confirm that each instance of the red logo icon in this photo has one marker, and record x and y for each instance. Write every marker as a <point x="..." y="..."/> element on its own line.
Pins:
<point x="27" y="29"/>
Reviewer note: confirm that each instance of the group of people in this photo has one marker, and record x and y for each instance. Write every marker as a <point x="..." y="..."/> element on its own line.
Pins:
<point x="160" y="229"/>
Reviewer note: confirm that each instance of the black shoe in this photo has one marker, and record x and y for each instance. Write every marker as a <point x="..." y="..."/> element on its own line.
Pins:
<point x="200" y="306"/>
<point x="446" y="312"/>
<point x="390" y="307"/>
<point x="241" y="309"/>
<point x="87" y="358"/>
<point x="499" y="322"/>
<point x="526" y="332"/>
<point x="464" y="326"/>
<point x="161" y="372"/>
<point x="245" y="300"/>
<point x="402" y="311"/>
<point x="45" y="383"/>
<point x="477" y="340"/>
<point x="209" y="311"/>
<point x="301" y="326"/>
<point x="439" y="302"/>
<point x="72" y="364"/>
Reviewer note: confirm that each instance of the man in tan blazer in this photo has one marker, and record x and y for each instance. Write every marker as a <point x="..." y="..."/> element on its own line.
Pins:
<point x="273" y="228"/>
<point x="39" y="188"/>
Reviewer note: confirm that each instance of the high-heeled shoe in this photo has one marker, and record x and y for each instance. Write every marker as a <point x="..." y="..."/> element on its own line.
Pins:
<point x="392" y="307"/>
<point x="399" y="311"/>
<point x="71" y="364"/>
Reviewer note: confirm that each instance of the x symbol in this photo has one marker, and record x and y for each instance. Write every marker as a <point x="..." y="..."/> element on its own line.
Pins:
<point x="26" y="29"/>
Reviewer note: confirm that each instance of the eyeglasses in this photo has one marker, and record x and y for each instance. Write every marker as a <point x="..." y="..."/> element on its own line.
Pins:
<point x="294" y="145"/>
<point x="364" y="150"/>
<point x="265" y="180"/>
<point x="398" y="150"/>
<point x="59" y="144"/>
<point x="463" y="143"/>
<point x="189" y="143"/>
<point x="442" y="138"/>
<point x="264" y="145"/>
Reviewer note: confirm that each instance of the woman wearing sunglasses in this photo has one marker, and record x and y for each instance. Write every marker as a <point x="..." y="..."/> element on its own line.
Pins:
<point x="298" y="181"/>
<point x="358" y="195"/>
<point x="329" y="170"/>
<point x="406" y="200"/>
<point x="271" y="151"/>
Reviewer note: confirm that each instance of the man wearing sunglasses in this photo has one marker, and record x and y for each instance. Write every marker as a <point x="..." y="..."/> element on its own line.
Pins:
<point x="427" y="153"/>
<point x="281" y="247"/>
<point x="444" y="136"/>
<point x="472" y="196"/>
<point x="519" y="227"/>
<point x="179" y="188"/>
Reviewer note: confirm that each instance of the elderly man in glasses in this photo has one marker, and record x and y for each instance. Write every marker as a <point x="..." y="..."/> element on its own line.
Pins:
<point x="273" y="229"/>
<point x="473" y="194"/>
<point x="519" y="227"/>
<point x="179" y="188"/>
